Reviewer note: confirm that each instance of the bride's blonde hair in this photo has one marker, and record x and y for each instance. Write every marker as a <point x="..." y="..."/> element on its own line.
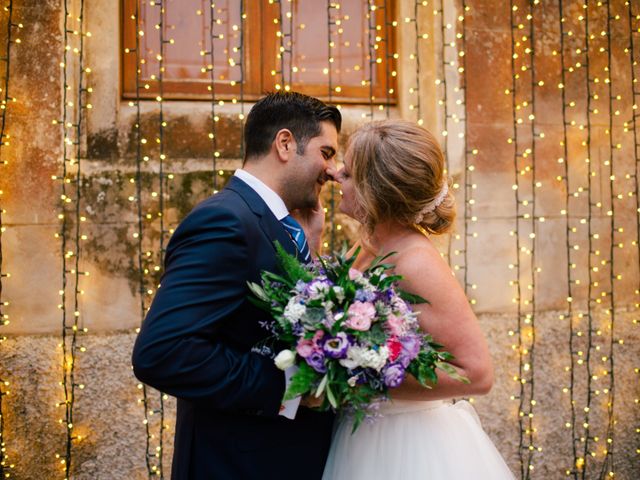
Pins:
<point x="399" y="174"/>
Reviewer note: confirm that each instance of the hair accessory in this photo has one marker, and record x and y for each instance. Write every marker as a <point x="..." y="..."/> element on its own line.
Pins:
<point x="433" y="205"/>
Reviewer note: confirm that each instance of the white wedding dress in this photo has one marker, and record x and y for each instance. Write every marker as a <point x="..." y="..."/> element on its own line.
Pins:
<point x="422" y="440"/>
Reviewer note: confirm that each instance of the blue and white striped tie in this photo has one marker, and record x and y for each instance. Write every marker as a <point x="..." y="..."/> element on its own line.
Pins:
<point x="297" y="235"/>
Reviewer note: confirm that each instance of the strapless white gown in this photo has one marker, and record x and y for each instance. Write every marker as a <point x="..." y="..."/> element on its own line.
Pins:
<point x="434" y="440"/>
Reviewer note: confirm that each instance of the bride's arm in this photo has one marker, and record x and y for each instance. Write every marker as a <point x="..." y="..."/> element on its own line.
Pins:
<point x="450" y="320"/>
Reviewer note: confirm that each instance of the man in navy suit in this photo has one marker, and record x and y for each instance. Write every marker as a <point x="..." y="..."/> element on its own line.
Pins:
<point x="197" y="339"/>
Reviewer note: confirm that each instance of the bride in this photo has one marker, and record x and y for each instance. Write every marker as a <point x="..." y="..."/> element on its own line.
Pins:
<point x="393" y="182"/>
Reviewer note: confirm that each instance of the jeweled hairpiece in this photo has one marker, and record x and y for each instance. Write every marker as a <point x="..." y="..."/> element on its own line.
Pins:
<point x="433" y="205"/>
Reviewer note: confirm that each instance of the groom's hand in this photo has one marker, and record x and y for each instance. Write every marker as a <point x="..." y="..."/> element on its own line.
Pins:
<point x="311" y="401"/>
<point x="312" y="222"/>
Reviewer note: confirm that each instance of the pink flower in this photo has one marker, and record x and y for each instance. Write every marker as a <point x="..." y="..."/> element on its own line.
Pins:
<point x="317" y="337"/>
<point x="360" y="315"/>
<point x="353" y="274"/>
<point x="395" y="347"/>
<point x="305" y="348"/>
<point x="395" y="325"/>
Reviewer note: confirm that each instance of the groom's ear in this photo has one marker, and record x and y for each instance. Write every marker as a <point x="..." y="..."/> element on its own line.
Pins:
<point x="285" y="144"/>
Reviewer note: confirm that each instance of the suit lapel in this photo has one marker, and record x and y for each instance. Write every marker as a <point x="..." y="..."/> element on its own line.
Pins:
<point x="267" y="220"/>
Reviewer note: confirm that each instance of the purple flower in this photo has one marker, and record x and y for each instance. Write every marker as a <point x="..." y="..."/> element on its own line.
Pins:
<point x="365" y="296"/>
<point x="393" y="374"/>
<point x="316" y="361"/>
<point x="318" y="287"/>
<point x="410" y="348"/>
<point x="336" y="347"/>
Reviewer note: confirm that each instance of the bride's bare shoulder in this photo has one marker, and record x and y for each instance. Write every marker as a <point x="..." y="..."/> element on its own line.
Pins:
<point x="418" y="257"/>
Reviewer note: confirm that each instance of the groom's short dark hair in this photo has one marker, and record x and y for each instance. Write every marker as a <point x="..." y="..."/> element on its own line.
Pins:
<point x="299" y="113"/>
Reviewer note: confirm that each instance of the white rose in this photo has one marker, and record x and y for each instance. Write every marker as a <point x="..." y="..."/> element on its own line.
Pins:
<point x="284" y="359"/>
<point x="294" y="310"/>
<point x="365" y="357"/>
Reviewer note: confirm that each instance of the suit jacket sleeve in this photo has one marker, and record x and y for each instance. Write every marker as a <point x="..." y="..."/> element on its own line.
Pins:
<point x="180" y="349"/>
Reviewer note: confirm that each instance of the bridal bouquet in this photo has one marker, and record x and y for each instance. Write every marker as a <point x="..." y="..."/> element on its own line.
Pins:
<point x="353" y="335"/>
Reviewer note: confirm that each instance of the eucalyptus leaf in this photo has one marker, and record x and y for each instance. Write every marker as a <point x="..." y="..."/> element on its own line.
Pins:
<point x="452" y="372"/>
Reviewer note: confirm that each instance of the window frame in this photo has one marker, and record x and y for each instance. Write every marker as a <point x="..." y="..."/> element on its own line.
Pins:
<point x="260" y="58"/>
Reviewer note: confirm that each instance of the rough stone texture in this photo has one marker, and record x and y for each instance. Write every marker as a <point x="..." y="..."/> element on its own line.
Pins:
<point x="108" y="413"/>
<point x="107" y="410"/>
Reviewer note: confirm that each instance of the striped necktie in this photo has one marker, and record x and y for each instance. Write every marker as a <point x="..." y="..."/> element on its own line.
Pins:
<point x="294" y="229"/>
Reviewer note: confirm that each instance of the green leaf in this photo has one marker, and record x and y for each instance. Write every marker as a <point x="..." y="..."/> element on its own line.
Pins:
<point x="291" y="265"/>
<point x="452" y="372"/>
<point x="410" y="297"/>
<point x="258" y="291"/>
<point x="321" y="387"/>
<point x="331" y="397"/>
<point x="358" y="417"/>
<point x="377" y="262"/>
<point x="302" y="382"/>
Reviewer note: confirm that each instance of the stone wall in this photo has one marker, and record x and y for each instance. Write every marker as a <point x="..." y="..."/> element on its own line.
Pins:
<point x="108" y="412"/>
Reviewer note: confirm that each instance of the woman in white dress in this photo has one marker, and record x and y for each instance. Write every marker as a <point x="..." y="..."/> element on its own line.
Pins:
<point x="393" y="182"/>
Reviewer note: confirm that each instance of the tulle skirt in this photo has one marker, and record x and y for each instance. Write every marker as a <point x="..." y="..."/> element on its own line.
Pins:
<point x="433" y="440"/>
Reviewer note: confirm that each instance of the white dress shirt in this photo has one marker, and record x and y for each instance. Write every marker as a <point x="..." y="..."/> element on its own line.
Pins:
<point x="279" y="209"/>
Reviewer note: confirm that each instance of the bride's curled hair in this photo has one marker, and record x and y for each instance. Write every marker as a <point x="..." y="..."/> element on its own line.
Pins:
<point x="399" y="173"/>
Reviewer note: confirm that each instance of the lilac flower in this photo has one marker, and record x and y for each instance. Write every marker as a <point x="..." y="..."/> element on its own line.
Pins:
<point x="301" y="286"/>
<point x="316" y="361"/>
<point x="336" y="347"/>
<point x="393" y="374"/>
<point x="318" y="287"/>
<point x="410" y="348"/>
<point x="365" y="295"/>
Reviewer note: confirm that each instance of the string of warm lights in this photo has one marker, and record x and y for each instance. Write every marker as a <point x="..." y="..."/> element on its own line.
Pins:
<point x="390" y="57"/>
<point x="572" y="245"/>
<point x="215" y="153"/>
<point x="442" y="82"/>
<point x="583" y="461"/>
<point x="372" y="47"/>
<point x="285" y="40"/>
<point x="73" y="116"/>
<point x="443" y="100"/>
<point x="143" y="258"/>
<point x="608" y="468"/>
<point x="417" y="106"/>
<point x="469" y="154"/>
<point x="635" y="94"/>
<point x="5" y="465"/>
<point x="163" y="195"/>
<point x="331" y="209"/>
<point x="524" y="165"/>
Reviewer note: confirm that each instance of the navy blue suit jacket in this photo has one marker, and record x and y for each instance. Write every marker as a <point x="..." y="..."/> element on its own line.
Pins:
<point x="196" y="340"/>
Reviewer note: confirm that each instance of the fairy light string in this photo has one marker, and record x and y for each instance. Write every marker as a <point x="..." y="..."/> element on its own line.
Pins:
<point x="608" y="360"/>
<point x="163" y="197"/>
<point x="73" y="117"/>
<point x="583" y="461"/>
<point x="443" y="101"/>
<point x="524" y="165"/>
<point x="635" y="95"/>
<point x="331" y="22"/>
<point x="389" y="25"/>
<point x="416" y="103"/>
<point x="144" y="258"/>
<point x="571" y="244"/>
<point x="215" y="153"/>
<point x="5" y="465"/>
<point x="285" y="50"/>
<point x="527" y="396"/>
<point x="371" y="55"/>
<point x="469" y="154"/>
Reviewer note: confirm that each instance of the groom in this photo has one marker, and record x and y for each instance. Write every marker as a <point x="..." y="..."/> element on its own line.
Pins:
<point x="196" y="341"/>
